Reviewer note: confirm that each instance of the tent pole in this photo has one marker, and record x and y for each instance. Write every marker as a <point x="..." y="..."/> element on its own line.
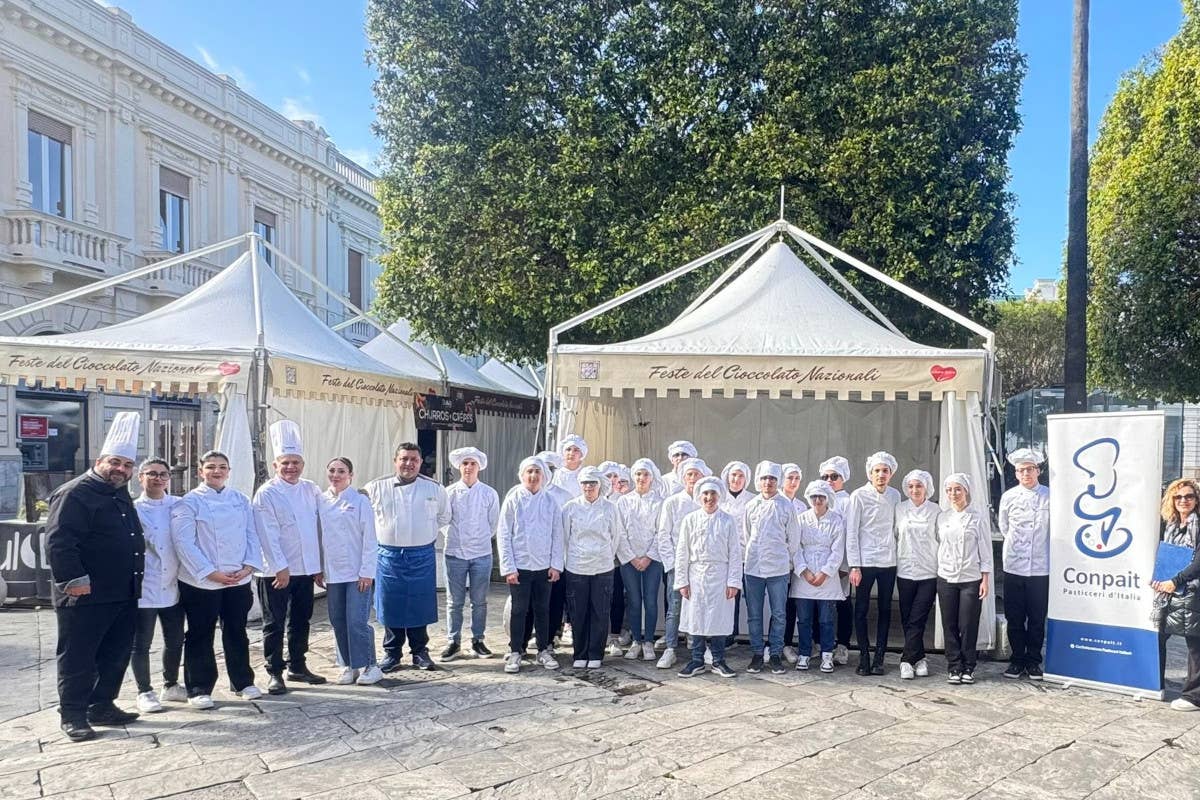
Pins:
<point x="116" y="280"/>
<point x="841" y="279"/>
<point x="259" y="415"/>
<point x="727" y="274"/>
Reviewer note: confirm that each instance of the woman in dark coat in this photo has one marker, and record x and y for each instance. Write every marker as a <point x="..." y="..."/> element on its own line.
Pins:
<point x="1177" y="602"/>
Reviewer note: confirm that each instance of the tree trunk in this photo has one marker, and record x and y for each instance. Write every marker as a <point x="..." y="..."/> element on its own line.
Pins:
<point x="1075" y="368"/>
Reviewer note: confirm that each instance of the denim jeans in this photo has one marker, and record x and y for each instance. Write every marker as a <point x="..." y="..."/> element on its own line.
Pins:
<point x="758" y="590"/>
<point x="477" y="572"/>
<point x="714" y="643"/>
<point x="350" y="615"/>
<point x="641" y="598"/>
<point x="826" y="611"/>
<point x="672" y="622"/>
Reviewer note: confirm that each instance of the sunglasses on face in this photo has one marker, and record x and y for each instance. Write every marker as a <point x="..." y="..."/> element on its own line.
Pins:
<point x="834" y="477"/>
<point x="1187" y="498"/>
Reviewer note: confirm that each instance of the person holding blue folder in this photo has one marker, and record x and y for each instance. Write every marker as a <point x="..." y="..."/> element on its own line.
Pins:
<point x="1177" y="600"/>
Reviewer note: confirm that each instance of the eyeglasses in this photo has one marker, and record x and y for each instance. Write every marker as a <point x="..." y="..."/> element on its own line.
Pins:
<point x="1187" y="498"/>
<point x="833" y="477"/>
<point x="162" y="476"/>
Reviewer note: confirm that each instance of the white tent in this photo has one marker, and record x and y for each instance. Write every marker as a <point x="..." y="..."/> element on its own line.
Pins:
<point x="513" y="379"/>
<point x="245" y="336"/>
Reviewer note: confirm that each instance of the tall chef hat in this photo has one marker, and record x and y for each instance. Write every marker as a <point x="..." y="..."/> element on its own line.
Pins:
<point x="122" y="438"/>
<point x="285" y="439"/>
<point x="462" y="453"/>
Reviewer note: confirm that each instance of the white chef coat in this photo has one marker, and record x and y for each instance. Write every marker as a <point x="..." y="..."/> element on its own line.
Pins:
<point x="529" y="534"/>
<point x="1025" y="525"/>
<point x="568" y="480"/>
<point x="411" y="515"/>
<point x="822" y="549"/>
<point x="670" y="518"/>
<point x="708" y="558"/>
<point x="770" y="536"/>
<point x="561" y="495"/>
<point x="916" y="540"/>
<point x="214" y="531"/>
<point x="964" y="545"/>
<point x="638" y="517"/>
<point x="798" y="504"/>
<point x="871" y="527"/>
<point x="590" y="534"/>
<point x="672" y="482"/>
<point x="841" y="502"/>
<point x="348" y="536"/>
<point x="736" y="506"/>
<point x="160" y="586"/>
<point x="286" y="515"/>
<point x="474" y="511"/>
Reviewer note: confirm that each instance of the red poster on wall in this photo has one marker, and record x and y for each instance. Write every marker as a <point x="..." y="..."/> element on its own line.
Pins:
<point x="33" y="426"/>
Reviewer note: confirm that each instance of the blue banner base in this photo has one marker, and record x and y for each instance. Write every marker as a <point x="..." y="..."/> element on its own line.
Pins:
<point x="1103" y="657"/>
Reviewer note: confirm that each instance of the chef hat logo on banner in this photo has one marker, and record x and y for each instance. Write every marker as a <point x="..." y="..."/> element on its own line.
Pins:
<point x="1096" y="507"/>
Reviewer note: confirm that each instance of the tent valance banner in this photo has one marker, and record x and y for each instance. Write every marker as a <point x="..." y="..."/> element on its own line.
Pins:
<point x="1105" y="479"/>
<point x="326" y="382"/>
<point x="124" y="371"/>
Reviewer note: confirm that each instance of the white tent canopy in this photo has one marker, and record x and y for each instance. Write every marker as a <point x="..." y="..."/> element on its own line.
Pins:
<point x="416" y="355"/>
<point x="512" y="379"/>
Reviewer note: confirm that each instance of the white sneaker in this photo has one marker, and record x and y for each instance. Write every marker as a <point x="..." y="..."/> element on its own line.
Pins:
<point x="648" y="653"/>
<point x="922" y="669"/>
<point x="147" y="703"/>
<point x="614" y="647"/>
<point x="841" y="655"/>
<point x="826" y="662"/>
<point x="790" y="654"/>
<point x="579" y="664"/>
<point x="175" y="694"/>
<point x="1183" y="704"/>
<point x="512" y="663"/>
<point x="660" y="643"/>
<point x="667" y="660"/>
<point x="546" y="659"/>
<point x="802" y="662"/>
<point x="907" y="673"/>
<point x="634" y="652"/>
<point x="349" y="675"/>
<point x="250" y="692"/>
<point x="626" y="638"/>
<point x="370" y="676"/>
<point x="594" y="664"/>
<point x="201" y="701"/>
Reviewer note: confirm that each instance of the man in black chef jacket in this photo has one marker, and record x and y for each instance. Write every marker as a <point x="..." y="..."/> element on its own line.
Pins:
<point x="96" y="551"/>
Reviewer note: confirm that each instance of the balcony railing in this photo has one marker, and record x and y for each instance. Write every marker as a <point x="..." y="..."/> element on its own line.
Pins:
<point x="177" y="279"/>
<point x="39" y="239"/>
<point x="355" y="175"/>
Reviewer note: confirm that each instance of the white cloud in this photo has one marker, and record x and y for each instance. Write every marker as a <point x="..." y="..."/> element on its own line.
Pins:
<point x="303" y="75"/>
<point x="228" y="69"/>
<point x="361" y="156"/>
<point x="298" y="109"/>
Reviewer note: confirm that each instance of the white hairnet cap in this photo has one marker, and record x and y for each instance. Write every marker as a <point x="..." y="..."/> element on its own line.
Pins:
<point x="696" y="464"/>
<point x="960" y="478"/>
<point x="551" y="459"/>
<point x="736" y="466"/>
<point x="122" y="437"/>
<point x="922" y="476"/>
<point x="789" y="468"/>
<point x="882" y="457"/>
<point x="533" y="461"/>
<point x="462" y="453"/>
<point x="836" y="464"/>
<point x="682" y="447"/>
<point x="709" y="484"/>
<point x="591" y="475"/>
<point x="821" y="489"/>
<point x="767" y="469"/>
<point x="573" y="440"/>
<point x="1026" y="455"/>
<point x="609" y="468"/>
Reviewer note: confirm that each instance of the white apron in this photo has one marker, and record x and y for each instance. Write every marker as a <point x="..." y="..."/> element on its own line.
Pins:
<point x="708" y="558"/>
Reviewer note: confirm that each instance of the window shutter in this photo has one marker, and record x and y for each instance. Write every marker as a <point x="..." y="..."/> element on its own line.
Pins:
<point x="47" y="126"/>
<point x="173" y="182"/>
<point x="264" y="217"/>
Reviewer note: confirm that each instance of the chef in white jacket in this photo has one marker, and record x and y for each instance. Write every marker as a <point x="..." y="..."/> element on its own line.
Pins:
<point x="573" y="450"/>
<point x="410" y="509"/>
<point x="816" y="566"/>
<point x="916" y="568"/>
<point x="736" y="477"/>
<point x="708" y="575"/>
<point x="677" y="453"/>
<point x="964" y="572"/>
<point x="474" y="512"/>
<point x="871" y="554"/>
<point x="836" y="472"/>
<point x="1025" y="525"/>
<point x="791" y="488"/>
<point x="639" y="556"/>
<point x="670" y="519"/>
<point x="771" y="534"/>
<point x="286" y="511"/>
<point x="590" y="534"/>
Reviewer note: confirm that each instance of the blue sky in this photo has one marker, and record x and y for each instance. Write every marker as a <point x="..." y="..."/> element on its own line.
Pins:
<point x="306" y="59"/>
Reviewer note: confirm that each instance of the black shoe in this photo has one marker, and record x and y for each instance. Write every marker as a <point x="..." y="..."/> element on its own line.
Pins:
<point x="304" y="675"/>
<point x="864" y="665"/>
<point x="423" y="661"/>
<point x="480" y="651"/>
<point x="968" y="676"/>
<point x="276" y="685"/>
<point x="756" y="664"/>
<point x="777" y="665"/>
<point x="1034" y="672"/>
<point x="451" y="652"/>
<point x="109" y="715"/>
<point x="77" y="731"/>
<point x="389" y="664"/>
<point x="877" y="666"/>
<point x="1014" y="670"/>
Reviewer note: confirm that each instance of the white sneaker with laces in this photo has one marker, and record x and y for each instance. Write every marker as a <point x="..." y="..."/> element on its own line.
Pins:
<point x="201" y="701"/>
<point x="648" y="653"/>
<point x="826" y="662"/>
<point x="614" y="647"/>
<point x="708" y="658"/>
<point x="790" y="654"/>
<point x="147" y="703"/>
<point x="546" y="659"/>
<point x="1183" y="704"/>
<point x="579" y="664"/>
<point x="594" y="664"/>
<point x="175" y="694"/>
<point x="841" y="655"/>
<point x="802" y="662"/>
<point x="512" y="663"/>
<point x="907" y="673"/>
<point x="922" y="669"/>
<point x="667" y="660"/>
<point x="348" y="676"/>
<point x="370" y="676"/>
<point x="634" y="652"/>
<point x="250" y="692"/>
<point x="660" y="643"/>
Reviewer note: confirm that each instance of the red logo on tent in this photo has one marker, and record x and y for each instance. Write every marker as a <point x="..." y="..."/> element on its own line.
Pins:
<point x="940" y="373"/>
<point x="229" y="368"/>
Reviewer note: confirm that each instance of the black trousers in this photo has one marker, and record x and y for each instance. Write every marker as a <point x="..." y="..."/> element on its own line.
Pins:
<point x="203" y="608"/>
<point x="916" y="601"/>
<point x="94" y="642"/>
<point x="617" y="610"/>
<point x="558" y="607"/>
<point x="531" y="594"/>
<point x="789" y="624"/>
<point x="960" y="622"/>
<point x="1191" y="683"/>
<point x="171" y="619"/>
<point x="417" y="638"/>
<point x="291" y="606"/>
<point x="884" y="579"/>
<point x="845" y="621"/>
<point x="1025" y="603"/>
<point x="590" y="599"/>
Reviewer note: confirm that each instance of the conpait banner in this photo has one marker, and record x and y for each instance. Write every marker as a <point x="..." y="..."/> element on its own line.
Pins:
<point x="1105" y="487"/>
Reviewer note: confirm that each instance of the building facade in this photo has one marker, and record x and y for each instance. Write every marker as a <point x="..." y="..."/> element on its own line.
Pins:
<point x="119" y="152"/>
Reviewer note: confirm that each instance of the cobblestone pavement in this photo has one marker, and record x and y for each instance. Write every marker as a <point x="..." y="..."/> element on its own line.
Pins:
<point x="626" y="731"/>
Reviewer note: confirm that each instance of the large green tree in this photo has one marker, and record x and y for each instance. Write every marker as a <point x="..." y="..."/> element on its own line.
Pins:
<point x="541" y="157"/>
<point x="1144" y="227"/>
<point x="1030" y="348"/>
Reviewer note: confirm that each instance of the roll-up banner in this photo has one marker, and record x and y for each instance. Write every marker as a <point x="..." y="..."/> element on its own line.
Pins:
<point x="1105" y="487"/>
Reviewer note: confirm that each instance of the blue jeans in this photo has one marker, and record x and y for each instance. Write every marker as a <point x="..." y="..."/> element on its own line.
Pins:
<point x="671" y="637"/>
<point x="714" y="643"/>
<point x="459" y="573"/>
<point x="826" y="617"/>
<point x="774" y="590"/>
<point x="350" y="614"/>
<point x="641" y="599"/>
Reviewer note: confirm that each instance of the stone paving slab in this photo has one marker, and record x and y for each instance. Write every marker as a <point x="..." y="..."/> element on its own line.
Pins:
<point x="627" y="731"/>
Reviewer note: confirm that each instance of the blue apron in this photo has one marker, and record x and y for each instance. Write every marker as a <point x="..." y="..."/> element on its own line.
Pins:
<point x="406" y="586"/>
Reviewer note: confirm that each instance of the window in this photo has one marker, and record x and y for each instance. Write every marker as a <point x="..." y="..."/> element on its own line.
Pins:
<point x="354" y="278"/>
<point x="173" y="203"/>
<point x="264" y="226"/>
<point x="50" y="164"/>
